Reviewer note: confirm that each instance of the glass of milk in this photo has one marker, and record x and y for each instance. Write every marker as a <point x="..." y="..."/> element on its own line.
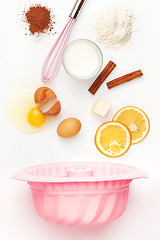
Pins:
<point x="82" y="59"/>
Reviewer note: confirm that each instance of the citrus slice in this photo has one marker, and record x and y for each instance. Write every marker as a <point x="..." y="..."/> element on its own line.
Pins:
<point x="135" y="120"/>
<point x="112" y="139"/>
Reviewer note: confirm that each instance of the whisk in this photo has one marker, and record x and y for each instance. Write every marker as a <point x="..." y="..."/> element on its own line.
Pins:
<point x="53" y="60"/>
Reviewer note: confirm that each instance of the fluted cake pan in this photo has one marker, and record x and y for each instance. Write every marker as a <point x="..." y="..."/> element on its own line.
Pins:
<point x="80" y="193"/>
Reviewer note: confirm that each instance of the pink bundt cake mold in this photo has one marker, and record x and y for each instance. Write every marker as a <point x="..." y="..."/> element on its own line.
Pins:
<point x="83" y="193"/>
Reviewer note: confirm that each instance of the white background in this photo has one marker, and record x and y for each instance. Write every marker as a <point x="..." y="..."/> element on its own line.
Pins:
<point x="21" y="58"/>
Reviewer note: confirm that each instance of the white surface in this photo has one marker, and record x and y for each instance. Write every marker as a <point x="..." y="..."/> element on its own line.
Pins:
<point x="21" y="58"/>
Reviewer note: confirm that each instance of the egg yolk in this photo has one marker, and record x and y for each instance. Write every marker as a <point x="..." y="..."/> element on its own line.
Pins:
<point x="35" y="117"/>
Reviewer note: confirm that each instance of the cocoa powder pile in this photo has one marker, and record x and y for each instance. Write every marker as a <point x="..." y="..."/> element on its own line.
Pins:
<point x="39" y="19"/>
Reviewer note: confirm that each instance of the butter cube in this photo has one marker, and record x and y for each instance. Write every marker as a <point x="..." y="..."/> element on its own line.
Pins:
<point x="101" y="107"/>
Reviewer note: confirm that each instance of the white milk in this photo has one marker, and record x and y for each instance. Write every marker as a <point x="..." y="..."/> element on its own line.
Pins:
<point x="82" y="59"/>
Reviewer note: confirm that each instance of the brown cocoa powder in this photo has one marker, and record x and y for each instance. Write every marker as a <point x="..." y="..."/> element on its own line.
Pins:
<point x="39" y="19"/>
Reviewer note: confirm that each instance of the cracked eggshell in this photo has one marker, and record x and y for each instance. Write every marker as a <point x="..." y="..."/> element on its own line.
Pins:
<point x="52" y="108"/>
<point x="43" y="95"/>
<point x="47" y="98"/>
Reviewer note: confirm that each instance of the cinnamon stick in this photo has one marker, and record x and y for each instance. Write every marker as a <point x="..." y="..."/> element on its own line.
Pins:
<point x="101" y="78"/>
<point x="126" y="78"/>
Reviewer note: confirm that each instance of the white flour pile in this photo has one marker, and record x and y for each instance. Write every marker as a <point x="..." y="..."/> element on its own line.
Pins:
<point x="114" y="28"/>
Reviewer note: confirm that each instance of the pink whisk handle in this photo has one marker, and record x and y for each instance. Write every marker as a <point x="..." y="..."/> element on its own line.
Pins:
<point x="53" y="61"/>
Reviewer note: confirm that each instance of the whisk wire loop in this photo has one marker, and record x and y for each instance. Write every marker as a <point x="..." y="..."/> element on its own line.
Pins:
<point x="53" y="60"/>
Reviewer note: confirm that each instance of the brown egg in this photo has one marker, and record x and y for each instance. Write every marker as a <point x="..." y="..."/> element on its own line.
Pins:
<point x="69" y="127"/>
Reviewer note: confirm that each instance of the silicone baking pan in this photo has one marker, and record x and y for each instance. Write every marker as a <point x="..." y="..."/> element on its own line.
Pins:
<point x="80" y="193"/>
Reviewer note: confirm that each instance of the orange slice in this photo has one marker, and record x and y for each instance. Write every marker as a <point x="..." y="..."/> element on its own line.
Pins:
<point x="135" y="120"/>
<point x="112" y="139"/>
